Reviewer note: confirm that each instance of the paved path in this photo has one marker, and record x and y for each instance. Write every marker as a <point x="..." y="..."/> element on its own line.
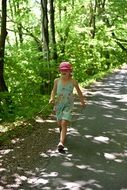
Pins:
<point x="96" y="157"/>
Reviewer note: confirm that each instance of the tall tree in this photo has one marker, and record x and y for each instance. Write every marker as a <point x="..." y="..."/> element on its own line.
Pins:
<point x="3" y="35"/>
<point x="19" y="25"/>
<point x="92" y="24"/>
<point x="18" y="9"/>
<point x="12" y="15"/>
<point x="45" y="31"/>
<point x="52" y="31"/>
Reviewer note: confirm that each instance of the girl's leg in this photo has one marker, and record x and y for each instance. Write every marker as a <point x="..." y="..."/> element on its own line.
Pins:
<point x="64" y="124"/>
<point x="59" y="125"/>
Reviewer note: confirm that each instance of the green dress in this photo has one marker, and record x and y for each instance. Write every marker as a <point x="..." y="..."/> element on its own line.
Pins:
<point x="64" y="100"/>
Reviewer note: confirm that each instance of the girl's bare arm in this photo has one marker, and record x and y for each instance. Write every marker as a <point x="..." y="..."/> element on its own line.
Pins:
<point x="76" y="85"/>
<point x="53" y="92"/>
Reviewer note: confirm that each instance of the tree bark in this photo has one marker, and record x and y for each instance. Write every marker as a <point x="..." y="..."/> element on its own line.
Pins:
<point x="45" y="32"/>
<point x="3" y="35"/>
<point x="52" y="31"/>
<point x="12" y="7"/>
<point x="19" y="24"/>
<point x="92" y="23"/>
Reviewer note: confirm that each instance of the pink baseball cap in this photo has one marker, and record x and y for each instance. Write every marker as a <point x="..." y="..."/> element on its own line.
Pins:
<point x="65" y="66"/>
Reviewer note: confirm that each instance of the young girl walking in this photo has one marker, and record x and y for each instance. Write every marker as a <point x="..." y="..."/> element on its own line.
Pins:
<point x="62" y="98"/>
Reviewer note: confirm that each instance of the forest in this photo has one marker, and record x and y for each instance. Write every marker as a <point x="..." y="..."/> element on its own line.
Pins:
<point x="36" y="35"/>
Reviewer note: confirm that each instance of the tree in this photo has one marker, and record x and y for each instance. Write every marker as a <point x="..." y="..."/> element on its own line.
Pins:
<point x="16" y="14"/>
<point x="3" y="35"/>
<point x="45" y="32"/>
<point x="52" y="31"/>
<point x="92" y="24"/>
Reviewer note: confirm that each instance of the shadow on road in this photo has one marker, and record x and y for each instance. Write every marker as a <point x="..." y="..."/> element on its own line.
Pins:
<point x="96" y="146"/>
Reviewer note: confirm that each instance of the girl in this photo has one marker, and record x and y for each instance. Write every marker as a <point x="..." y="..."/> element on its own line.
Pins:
<point x="63" y="90"/>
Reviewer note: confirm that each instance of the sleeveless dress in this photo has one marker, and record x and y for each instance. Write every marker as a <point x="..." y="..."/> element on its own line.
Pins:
<point x="64" y="100"/>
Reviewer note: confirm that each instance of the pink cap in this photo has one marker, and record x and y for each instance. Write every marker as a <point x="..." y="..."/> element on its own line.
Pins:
<point x="65" y="66"/>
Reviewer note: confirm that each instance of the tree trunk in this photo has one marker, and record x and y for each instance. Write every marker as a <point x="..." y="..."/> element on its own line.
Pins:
<point x="59" y="9"/>
<point x="52" y="30"/>
<point x="92" y="23"/>
<point x="63" y="32"/>
<point x="19" y="25"/>
<point x="46" y="74"/>
<point x="13" y="13"/>
<point x="45" y="32"/>
<point x="101" y="9"/>
<point x="3" y="35"/>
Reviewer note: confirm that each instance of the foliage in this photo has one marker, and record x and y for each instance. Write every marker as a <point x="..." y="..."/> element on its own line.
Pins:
<point x="30" y="77"/>
<point x="24" y="77"/>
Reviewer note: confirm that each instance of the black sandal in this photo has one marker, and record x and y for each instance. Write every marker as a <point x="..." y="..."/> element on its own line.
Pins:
<point x="60" y="146"/>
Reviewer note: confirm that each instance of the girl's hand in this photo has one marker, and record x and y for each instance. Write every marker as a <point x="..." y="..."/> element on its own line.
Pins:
<point x="83" y="103"/>
<point x="52" y="101"/>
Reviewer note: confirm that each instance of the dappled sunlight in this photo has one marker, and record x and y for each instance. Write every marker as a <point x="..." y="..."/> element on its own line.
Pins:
<point x="92" y="118"/>
<point x="5" y="151"/>
<point x="52" y="174"/>
<point x="95" y="154"/>
<point x="88" y="136"/>
<point x="107" y="115"/>
<point x="82" y="167"/>
<point x="16" y="140"/>
<point x="67" y="164"/>
<point x="110" y="94"/>
<point x="36" y="181"/>
<point x="3" y="128"/>
<point x="121" y="119"/>
<point x="95" y="170"/>
<point x="107" y="104"/>
<point x="41" y="120"/>
<point x="77" y="103"/>
<point x="17" y="181"/>
<point x="55" y="153"/>
<point x="55" y="129"/>
<point x="2" y="169"/>
<point x="44" y="155"/>
<point x="32" y="180"/>
<point x="109" y="156"/>
<point x="106" y="94"/>
<point x="77" y="185"/>
<point x="98" y="139"/>
<point x="117" y="157"/>
<point x="123" y="98"/>
<point x="50" y="121"/>
<point x="106" y="109"/>
<point x="73" y="132"/>
<point x="101" y="139"/>
<point x="50" y="153"/>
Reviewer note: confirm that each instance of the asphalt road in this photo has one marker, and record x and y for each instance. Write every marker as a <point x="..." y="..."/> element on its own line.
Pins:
<point x="96" y="146"/>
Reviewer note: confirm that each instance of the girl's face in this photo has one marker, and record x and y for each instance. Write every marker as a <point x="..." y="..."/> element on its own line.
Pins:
<point x="65" y="74"/>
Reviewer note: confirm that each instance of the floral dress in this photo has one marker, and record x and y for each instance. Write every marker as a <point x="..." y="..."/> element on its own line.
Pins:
<point x="64" y="100"/>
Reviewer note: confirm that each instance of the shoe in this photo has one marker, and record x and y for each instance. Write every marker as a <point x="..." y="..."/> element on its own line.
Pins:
<point x="60" y="146"/>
